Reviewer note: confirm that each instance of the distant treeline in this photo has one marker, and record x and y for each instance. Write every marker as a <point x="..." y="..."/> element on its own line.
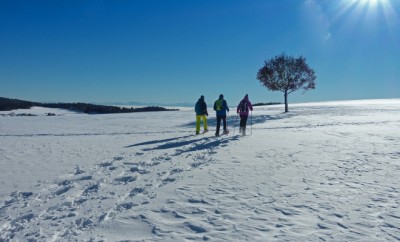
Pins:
<point x="265" y="104"/>
<point x="7" y="104"/>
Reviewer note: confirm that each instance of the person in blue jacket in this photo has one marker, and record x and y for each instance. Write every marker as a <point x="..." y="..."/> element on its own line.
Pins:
<point x="221" y="107"/>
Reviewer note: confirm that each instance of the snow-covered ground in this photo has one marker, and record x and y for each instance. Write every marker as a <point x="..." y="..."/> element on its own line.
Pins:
<point x="322" y="172"/>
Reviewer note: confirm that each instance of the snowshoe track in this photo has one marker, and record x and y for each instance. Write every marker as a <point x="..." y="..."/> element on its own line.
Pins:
<point x="92" y="196"/>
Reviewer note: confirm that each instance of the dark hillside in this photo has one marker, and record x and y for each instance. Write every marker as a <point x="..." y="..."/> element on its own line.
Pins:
<point x="101" y="109"/>
<point x="7" y="104"/>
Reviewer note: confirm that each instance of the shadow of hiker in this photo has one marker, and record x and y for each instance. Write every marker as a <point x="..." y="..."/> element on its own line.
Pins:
<point x="233" y="121"/>
<point x="173" y="144"/>
<point x="157" y="141"/>
<point x="196" y="144"/>
<point x="214" y="143"/>
<point x="212" y="122"/>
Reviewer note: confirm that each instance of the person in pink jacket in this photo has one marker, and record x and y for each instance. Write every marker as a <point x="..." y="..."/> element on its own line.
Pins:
<point x="243" y="111"/>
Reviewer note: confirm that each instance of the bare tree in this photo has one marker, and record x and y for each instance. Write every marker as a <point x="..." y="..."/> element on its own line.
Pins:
<point x="286" y="74"/>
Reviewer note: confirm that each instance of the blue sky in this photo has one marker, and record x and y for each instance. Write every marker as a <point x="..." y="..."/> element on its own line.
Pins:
<point x="174" y="51"/>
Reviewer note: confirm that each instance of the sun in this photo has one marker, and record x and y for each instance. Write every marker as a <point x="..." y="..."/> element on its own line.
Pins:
<point x="370" y="4"/>
<point x="350" y="15"/>
<point x="373" y="3"/>
<point x="368" y="9"/>
<point x="374" y="7"/>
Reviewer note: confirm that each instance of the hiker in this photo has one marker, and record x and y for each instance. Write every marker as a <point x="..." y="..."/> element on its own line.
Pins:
<point x="221" y="107"/>
<point x="243" y="111"/>
<point x="201" y="113"/>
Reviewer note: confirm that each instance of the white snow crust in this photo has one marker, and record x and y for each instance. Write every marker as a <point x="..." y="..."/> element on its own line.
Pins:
<point x="322" y="172"/>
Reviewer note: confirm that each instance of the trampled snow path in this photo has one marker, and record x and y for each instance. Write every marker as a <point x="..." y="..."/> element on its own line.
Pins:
<point x="323" y="172"/>
<point x="90" y="198"/>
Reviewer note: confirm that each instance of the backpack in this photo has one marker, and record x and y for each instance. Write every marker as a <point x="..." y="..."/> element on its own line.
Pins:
<point x="201" y="108"/>
<point x="197" y="108"/>
<point x="243" y="107"/>
<point x="218" y="105"/>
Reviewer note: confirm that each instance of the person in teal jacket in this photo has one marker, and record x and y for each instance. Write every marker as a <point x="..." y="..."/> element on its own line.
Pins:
<point x="221" y="107"/>
<point x="201" y="113"/>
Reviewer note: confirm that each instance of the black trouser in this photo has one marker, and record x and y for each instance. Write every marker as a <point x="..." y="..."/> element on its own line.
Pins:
<point x="243" y="120"/>
<point x="219" y="117"/>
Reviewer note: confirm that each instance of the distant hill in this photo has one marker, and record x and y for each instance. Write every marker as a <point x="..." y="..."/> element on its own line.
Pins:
<point x="148" y="104"/>
<point x="7" y="104"/>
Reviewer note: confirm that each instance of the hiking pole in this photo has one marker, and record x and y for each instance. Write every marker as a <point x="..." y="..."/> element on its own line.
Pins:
<point x="234" y="125"/>
<point x="251" y="122"/>
<point x="226" y="121"/>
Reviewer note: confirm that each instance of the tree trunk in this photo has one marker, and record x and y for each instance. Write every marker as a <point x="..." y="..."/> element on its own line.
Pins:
<point x="286" y="102"/>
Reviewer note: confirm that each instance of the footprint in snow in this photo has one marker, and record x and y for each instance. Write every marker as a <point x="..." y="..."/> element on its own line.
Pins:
<point x="63" y="190"/>
<point x="139" y="170"/>
<point x="91" y="189"/>
<point x="136" y="191"/>
<point x="124" y="180"/>
<point x="106" y="164"/>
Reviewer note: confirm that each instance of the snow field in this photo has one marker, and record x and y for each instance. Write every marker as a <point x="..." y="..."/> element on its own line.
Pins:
<point x="323" y="171"/>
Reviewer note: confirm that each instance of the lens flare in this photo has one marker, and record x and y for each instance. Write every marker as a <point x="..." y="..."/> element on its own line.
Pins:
<point x="371" y="2"/>
<point x="367" y="9"/>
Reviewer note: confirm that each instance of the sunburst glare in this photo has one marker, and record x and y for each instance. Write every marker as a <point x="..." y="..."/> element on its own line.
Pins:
<point x="372" y="3"/>
<point x="367" y="10"/>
